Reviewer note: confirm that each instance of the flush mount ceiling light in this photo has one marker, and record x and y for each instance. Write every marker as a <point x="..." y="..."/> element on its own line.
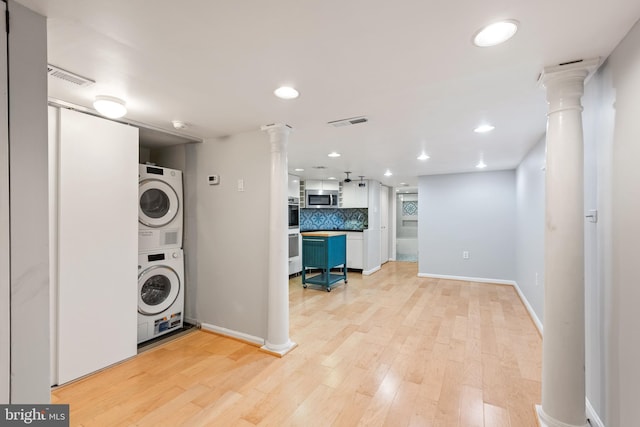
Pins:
<point x="484" y="128"/>
<point x="299" y="170"/>
<point x="388" y="173"/>
<point x="179" y="124"/>
<point x="332" y="178"/>
<point x="333" y="154"/>
<point x="110" y="106"/>
<point x="481" y="164"/>
<point x="286" y="92"/>
<point x="423" y="156"/>
<point x="496" y="33"/>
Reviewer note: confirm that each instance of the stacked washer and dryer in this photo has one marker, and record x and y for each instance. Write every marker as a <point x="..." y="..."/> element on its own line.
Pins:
<point x="160" y="255"/>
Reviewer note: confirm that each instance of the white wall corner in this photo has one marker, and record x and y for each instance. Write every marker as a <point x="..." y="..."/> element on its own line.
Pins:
<point x="592" y="416"/>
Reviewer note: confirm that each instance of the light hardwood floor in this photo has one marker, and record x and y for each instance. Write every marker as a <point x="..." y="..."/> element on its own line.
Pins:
<point x="389" y="349"/>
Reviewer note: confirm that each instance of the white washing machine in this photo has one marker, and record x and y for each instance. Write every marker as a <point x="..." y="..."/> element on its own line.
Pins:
<point x="160" y="293"/>
<point x="160" y="211"/>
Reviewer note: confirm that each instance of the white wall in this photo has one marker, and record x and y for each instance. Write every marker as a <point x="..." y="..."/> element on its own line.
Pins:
<point x="472" y="212"/>
<point x="28" y="150"/>
<point x="168" y="157"/>
<point x="530" y="202"/>
<point x="612" y="135"/>
<point x="226" y="236"/>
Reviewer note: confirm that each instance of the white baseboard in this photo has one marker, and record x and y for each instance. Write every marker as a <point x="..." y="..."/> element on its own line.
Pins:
<point x="532" y="313"/>
<point x="370" y="272"/>
<point x="233" y="334"/>
<point x="468" y="279"/>
<point x="594" y="419"/>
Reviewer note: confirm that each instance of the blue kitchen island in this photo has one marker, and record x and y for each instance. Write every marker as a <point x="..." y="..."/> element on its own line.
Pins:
<point x="324" y="251"/>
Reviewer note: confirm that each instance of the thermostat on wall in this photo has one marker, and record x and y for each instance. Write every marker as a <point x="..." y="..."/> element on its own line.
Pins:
<point x="213" y="179"/>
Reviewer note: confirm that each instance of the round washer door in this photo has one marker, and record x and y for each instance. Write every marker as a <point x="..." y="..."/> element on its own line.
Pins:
<point x="157" y="203"/>
<point x="158" y="288"/>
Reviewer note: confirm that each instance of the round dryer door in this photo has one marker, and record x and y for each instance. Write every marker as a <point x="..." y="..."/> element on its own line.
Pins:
<point x="157" y="203"/>
<point x="158" y="288"/>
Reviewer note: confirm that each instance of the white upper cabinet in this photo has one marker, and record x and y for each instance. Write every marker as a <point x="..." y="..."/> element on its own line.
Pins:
<point x="355" y="196"/>
<point x="294" y="186"/>
<point x="313" y="184"/>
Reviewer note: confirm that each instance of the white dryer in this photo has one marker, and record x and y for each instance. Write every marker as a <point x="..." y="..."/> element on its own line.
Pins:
<point x="160" y="211"/>
<point x="160" y="293"/>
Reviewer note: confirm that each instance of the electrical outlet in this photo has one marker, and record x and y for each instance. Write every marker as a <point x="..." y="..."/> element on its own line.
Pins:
<point x="536" y="279"/>
<point x="465" y="254"/>
<point x="241" y="185"/>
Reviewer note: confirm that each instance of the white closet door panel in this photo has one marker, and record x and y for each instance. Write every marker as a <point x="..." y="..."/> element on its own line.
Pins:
<point x="98" y="232"/>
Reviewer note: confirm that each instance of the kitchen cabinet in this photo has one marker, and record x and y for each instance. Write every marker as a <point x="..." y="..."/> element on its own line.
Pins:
<point x="355" y="250"/>
<point x="294" y="186"/>
<point x="327" y="185"/>
<point x="354" y="195"/>
<point x="295" y="251"/>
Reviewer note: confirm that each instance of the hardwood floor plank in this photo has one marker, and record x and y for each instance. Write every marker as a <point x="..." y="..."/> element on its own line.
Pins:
<point x="495" y="416"/>
<point x="387" y="349"/>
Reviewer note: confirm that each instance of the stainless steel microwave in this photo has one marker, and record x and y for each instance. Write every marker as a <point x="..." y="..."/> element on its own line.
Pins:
<point x="321" y="198"/>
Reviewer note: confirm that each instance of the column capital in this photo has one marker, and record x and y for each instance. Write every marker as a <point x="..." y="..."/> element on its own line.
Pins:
<point x="276" y="128"/>
<point x="564" y="83"/>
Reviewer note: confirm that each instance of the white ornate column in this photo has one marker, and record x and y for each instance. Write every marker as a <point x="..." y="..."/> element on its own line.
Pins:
<point x="278" y="341"/>
<point x="563" y="354"/>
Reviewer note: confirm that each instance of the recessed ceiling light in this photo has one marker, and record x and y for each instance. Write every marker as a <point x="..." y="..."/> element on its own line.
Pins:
<point x="110" y="106"/>
<point x="286" y="92"/>
<point x="333" y="154"/>
<point x="388" y="173"/>
<point x="299" y="170"/>
<point x="423" y="156"/>
<point x="481" y="165"/>
<point x="496" y="33"/>
<point x="332" y="177"/>
<point x="484" y="128"/>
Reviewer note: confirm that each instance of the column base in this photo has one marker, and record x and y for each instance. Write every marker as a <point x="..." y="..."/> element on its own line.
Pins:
<point x="546" y="421"/>
<point x="280" y="350"/>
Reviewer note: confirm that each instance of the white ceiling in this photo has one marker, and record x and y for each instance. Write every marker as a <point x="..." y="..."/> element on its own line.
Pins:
<point x="409" y="66"/>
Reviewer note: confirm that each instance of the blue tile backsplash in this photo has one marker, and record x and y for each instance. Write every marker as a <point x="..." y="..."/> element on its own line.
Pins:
<point x="334" y="219"/>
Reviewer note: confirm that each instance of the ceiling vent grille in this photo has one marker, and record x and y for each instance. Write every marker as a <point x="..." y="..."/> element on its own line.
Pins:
<point x="68" y="76"/>
<point x="348" y="122"/>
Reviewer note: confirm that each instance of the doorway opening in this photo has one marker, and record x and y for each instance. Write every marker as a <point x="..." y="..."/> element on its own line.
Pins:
<point x="407" y="226"/>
